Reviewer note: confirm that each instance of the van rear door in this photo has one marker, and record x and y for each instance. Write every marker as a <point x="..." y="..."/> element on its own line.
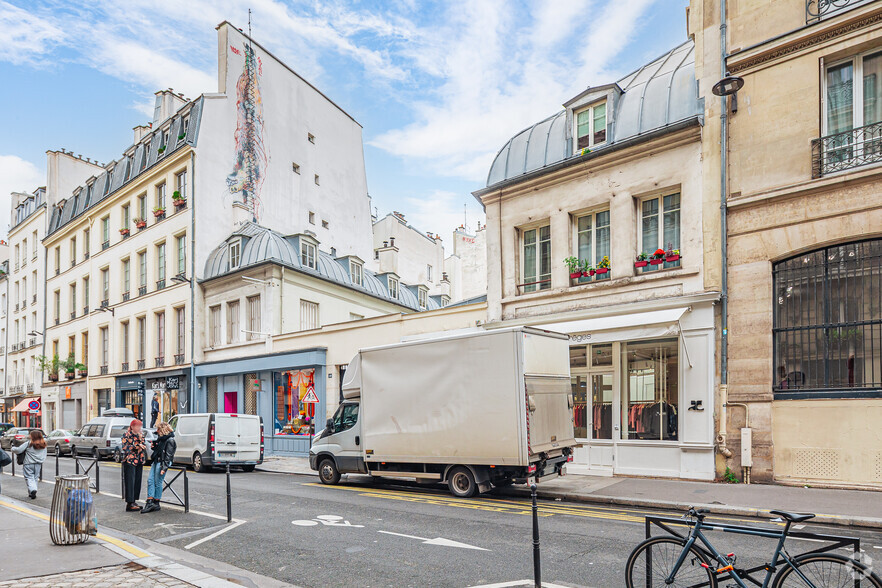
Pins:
<point x="226" y="437"/>
<point x="249" y="438"/>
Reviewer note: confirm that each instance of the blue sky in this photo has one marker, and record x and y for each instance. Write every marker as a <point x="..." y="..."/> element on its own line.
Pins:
<point x="438" y="86"/>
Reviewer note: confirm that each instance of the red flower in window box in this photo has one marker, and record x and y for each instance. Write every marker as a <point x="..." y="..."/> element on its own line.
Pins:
<point x="124" y="232"/>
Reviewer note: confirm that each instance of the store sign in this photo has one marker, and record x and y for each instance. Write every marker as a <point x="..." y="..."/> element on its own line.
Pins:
<point x="157" y="385"/>
<point x="581" y="338"/>
<point x="67" y="392"/>
<point x="172" y="383"/>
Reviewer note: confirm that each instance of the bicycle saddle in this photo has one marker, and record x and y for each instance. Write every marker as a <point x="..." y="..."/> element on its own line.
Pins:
<point x="792" y="516"/>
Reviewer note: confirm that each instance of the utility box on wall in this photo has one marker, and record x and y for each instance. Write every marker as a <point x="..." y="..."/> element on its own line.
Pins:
<point x="746" y="444"/>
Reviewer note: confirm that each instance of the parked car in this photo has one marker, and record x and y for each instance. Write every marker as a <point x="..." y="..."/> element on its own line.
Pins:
<point x="118" y="412"/>
<point x="210" y="439"/>
<point x="116" y="434"/>
<point x="5" y="427"/>
<point x="102" y="437"/>
<point x="58" y="441"/>
<point x="15" y="437"/>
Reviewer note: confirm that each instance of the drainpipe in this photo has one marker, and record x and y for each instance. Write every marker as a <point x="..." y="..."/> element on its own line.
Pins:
<point x="192" y="281"/>
<point x="724" y="295"/>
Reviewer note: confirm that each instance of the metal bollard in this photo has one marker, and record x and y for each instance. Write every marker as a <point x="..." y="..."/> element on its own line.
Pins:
<point x="56" y="463"/>
<point x="97" y="476"/>
<point x="14" y="459"/>
<point x="229" y="503"/>
<point x="537" y="566"/>
<point x="186" y="492"/>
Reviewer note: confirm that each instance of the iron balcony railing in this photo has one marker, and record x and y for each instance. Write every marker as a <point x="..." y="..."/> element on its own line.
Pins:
<point x="103" y="370"/>
<point x="160" y="284"/>
<point x="125" y="366"/>
<point x="142" y="290"/>
<point x="847" y="150"/>
<point x="179" y="358"/>
<point x="142" y="363"/>
<point x="125" y="296"/>
<point x="30" y="388"/>
<point x="86" y="309"/>
<point x="815" y="10"/>
<point x="33" y="341"/>
<point x="160" y="361"/>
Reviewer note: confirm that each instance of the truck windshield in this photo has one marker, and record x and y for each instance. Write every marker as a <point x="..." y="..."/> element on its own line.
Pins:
<point x="346" y="417"/>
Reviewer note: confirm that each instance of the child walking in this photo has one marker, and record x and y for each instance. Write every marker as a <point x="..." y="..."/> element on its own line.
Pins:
<point x="35" y="454"/>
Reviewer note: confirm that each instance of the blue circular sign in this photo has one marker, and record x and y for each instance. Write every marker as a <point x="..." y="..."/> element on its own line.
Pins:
<point x="34" y="405"/>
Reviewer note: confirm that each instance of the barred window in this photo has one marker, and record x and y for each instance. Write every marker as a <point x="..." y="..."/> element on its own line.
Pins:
<point x="828" y="322"/>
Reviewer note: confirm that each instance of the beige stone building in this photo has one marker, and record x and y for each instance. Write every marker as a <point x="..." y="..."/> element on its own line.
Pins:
<point x="616" y="173"/>
<point x="804" y="215"/>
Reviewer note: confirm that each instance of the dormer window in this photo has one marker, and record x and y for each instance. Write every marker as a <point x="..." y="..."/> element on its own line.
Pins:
<point x="356" y="272"/>
<point x="235" y="254"/>
<point x="423" y="296"/>
<point x="591" y="126"/>
<point x="307" y="254"/>
<point x="393" y="288"/>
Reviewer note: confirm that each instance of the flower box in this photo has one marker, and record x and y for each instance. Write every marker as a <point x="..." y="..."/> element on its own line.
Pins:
<point x="642" y="263"/>
<point x="141" y="224"/>
<point x="670" y="258"/>
<point x="656" y="261"/>
<point x="124" y="232"/>
<point x="575" y="275"/>
<point x="53" y="377"/>
<point x="602" y="270"/>
<point x="179" y="202"/>
<point x="69" y="375"/>
<point x="159" y="213"/>
<point x="588" y="274"/>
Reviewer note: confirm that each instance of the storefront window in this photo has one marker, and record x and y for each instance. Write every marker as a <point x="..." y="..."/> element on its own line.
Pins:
<point x="649" y="410"/>
<point x="103" y="400"/>
<point x="592" y="391"/>
<point x="293" y="416"/>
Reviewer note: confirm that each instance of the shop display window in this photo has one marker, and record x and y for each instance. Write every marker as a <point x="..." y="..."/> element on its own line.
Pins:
<point x="649" y="407"/>
<point x="292" y="415"/>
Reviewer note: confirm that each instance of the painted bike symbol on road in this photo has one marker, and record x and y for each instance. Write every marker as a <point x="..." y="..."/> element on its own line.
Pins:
<point x="330" y="520"/>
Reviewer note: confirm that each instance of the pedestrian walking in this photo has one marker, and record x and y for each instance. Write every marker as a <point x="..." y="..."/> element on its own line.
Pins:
<point x="163" y="455"/>
<point x="34" y="450"/>
<point x="5" y="460"/>
<point x="154" y="411"/>
<point x="134" y="455"/>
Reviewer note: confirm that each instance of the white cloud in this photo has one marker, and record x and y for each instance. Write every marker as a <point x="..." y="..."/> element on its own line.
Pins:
<point x="16" y="175"/>
<point x="25" y="37"/>
<point x="441" y="212"/>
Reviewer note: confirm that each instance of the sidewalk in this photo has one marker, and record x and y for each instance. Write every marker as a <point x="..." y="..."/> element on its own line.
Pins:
<point x="106" y="560"/>
<point x="856" y="508"/>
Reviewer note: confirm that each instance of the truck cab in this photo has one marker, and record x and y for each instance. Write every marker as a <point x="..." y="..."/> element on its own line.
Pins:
<point x="337" y="449"/>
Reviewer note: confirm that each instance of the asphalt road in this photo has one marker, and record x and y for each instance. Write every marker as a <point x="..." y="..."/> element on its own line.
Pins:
<point x="362" y="534"/>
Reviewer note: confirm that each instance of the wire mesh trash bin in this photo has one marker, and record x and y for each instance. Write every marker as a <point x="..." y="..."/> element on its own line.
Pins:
<point x="73" y="518"/>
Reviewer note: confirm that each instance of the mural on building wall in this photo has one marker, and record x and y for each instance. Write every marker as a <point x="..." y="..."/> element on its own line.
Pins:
<point x="249" y="169"/>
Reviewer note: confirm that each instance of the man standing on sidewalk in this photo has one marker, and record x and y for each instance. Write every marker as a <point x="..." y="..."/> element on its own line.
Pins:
<point x="154" y="411"/>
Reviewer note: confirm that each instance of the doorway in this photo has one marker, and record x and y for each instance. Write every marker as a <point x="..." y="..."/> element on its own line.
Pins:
<point x="231" y="402"/>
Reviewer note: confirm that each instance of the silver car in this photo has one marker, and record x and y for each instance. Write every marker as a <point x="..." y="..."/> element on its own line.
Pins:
<point x="102" y="437"/>
<point x="58" y="441"/>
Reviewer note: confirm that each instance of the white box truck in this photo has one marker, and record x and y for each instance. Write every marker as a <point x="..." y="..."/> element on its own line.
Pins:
<point x="475" y="410"/>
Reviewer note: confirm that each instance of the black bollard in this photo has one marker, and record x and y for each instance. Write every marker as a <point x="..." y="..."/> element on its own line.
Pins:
<point x="537" y="566"/>
<point x="56" y="463"/>
<point x="229" y="504"/>
<point x="14" y="456"/>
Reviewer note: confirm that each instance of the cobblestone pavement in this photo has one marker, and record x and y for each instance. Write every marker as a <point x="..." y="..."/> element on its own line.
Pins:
<point x="130" y="574"/>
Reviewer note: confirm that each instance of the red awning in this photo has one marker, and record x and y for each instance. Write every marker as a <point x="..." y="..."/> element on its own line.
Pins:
<point x="22" y="406"/>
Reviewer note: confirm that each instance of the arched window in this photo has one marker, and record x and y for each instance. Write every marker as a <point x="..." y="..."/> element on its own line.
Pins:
<point x="828" y="322"/>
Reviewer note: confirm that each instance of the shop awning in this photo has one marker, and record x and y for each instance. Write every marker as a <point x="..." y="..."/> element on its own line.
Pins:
<point x="622" y="327"/>
<point x="22" y="406"/>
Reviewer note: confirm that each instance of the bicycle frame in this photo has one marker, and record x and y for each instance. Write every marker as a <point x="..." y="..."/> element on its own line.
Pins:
<point x="727" y="566"/>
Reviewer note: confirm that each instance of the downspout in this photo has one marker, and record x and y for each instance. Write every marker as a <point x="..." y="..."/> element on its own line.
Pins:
<point x="192" y="399"/>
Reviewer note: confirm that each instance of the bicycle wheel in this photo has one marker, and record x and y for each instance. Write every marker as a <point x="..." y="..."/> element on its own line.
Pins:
<point x="826" y="570"/>
<point x="651" y="563"/>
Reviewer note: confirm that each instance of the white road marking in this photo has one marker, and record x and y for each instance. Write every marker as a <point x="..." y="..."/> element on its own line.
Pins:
<point x="437" y="541"/>
<point x="215" y="534"/>
<point x="518" y="583"/>
<point x="330" y="520"/>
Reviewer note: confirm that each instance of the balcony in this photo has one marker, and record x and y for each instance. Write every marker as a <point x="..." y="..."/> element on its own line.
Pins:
<point x="142" y="290"/>
<point x="105" y="303"/>
<point x="103" y="370"/>
<point x="30" y="388"/>
<point x="815" y="10"/>
<point x="125" y="296"/>
<point x="86" y="309"/>
<point x="13" y="347"/>
<point x="16" y="390"/>
<point x="160" y="284"/>
<point x="57" y="320"/>
<point x="125" y="366"/>
<point x="142" y="363"/>
<point x="73" y="315"/>
<point x="33" y="342"/>
<point x="57" y="270"/>
<point x="85" y="255"/>
<point x="179" y="359"/>
<point x="105" y="245"/>
<point x="847" y="150"/>
<point x="160" y="361"/>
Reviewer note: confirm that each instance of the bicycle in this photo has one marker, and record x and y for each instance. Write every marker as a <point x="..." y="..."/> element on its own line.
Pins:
<point x="693" y="562"/>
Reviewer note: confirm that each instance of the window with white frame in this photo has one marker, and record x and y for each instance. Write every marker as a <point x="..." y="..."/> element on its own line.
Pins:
<point x="126" y="275"/>
<point x="591" y="126"/>
<point x="851" y="112"/>
<point x="393" y="288"/>
<point x="142" y="269"/>
<point x="235" y="253"/>
<point x="142" y="338"/>
<point x="214" y="325"/>
<point x="309" y="315"/>
<point x="105" y="232"/>
<point x="233" y="321"/>
<point x="536" y="258"/>
<point x="423" y="297"/>
<point x="592" y="239"/>
<point x="307" y="255"/>
<point x="105" y="287"/>
<point x="253" y="317"/>
<point x="160" y="196"/>
<point x="180" y="334"/>
<point x="181" y="244"/>
<point x="356" y="272"/>
<point x="160" y="262"/>
<point x="660" y="227"/>
<point x="181" y="184"/>
<point x="105" y="346"/>
<point x="428" y="273"/>
<point x="160" y="337"/>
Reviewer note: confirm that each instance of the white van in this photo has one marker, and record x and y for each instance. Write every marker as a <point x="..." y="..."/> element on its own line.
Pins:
<point x="209" y="439"/>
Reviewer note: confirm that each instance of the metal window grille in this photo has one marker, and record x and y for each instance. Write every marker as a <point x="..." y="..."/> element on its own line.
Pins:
<point x="252" y="385"/>
<point x="815" y="10"/>
<point x="211" y="395"/>
<point x="847" y="150"/>
<point x="828" y="322"/>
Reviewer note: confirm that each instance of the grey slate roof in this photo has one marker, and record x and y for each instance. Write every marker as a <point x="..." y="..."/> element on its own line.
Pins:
<point x="659" y="94"/>
<point x="261" y="245"/>
<point x="127" y="169"/>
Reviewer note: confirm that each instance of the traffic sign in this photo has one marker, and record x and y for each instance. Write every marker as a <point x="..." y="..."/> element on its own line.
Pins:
<point x="310" y="397"/>
<point x="34" y="406"/>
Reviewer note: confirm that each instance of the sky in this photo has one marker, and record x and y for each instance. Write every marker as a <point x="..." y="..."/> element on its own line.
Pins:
<point x="438" y="87"/>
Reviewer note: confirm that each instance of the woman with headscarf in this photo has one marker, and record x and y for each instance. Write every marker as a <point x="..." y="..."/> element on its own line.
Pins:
<point x="163" y="455"/>
<point x="134" y="455"/>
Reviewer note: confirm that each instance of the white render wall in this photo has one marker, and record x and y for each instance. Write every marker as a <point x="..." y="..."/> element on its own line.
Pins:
<point x="470" y="279"/>
<point x="416" y="251"/>
<point x="291" y="110"/>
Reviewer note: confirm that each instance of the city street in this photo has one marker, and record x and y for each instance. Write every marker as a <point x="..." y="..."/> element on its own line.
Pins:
<point x="292" y="528"/>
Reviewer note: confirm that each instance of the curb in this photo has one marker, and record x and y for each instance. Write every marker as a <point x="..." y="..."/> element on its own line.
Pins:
<point x="719" y="509"/>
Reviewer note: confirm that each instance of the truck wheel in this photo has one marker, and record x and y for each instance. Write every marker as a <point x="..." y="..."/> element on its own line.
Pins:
<point x="328" y="472"/>
<point x="461" y="482"/>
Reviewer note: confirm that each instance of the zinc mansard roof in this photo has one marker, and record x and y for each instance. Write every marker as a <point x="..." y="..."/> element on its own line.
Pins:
<point x="261" y="245"/>
<point x="136" y="160"/>
<point x="657" y="95"/>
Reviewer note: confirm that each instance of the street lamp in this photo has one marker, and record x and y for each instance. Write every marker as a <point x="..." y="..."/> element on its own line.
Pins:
<point x="180" y="279"/>
<point x="728" y="86"/>
<point x="106" y="309"/>
<point x="35" y="334"/>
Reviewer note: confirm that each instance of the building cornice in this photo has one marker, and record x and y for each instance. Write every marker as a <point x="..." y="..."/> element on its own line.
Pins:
<point x="683" y="133"/>
<point x="804" y="38"/>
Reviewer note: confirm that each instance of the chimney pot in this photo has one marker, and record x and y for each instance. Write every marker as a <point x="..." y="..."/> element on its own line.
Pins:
<point x="385" y="243"/>
<point x="392" y="241"/>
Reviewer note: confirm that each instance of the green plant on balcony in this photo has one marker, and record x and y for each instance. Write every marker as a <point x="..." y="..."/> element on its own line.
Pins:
<point x="574" y="265"/>
<point x="70" y="366"/>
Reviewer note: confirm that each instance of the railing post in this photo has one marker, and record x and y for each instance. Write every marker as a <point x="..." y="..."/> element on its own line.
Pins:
<point x="14" y="459"/>
<point x="77" y="465"/>
<point x="186" y="492"/>
<point x="97" y="477"/>
<point x="229" y="502"/>
<point x="56" y="463"/>
<point x="537" y="564"/>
